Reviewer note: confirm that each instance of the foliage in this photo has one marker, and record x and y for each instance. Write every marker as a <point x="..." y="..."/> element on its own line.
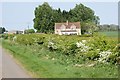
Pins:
<point x="2" y="30"/>
<point x="4" y="36"/>
<point x="29" y="31"/>
<point x="46" y="17"/>
<point x="82" y="13"/>
<point x="43" y="21"/>
<point x="7" y="36"/>
<point x="88" y="27"/>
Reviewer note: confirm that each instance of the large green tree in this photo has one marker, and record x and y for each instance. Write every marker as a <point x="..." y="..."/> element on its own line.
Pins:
<point x="89" y="21"/>
<point x="43" y="18"/>
<point x="82" y="13"/>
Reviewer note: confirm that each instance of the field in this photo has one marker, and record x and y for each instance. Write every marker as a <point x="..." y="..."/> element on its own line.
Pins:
<point x="53" y="56"/>
<point x="110" y="33"/>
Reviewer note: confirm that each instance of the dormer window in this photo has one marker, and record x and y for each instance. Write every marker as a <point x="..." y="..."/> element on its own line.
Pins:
<point x="63" y="27"/>
<point x="73" y="27"/>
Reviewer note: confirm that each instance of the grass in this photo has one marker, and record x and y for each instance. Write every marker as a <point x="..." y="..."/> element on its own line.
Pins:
<point x="36" y="61"/>
<point x="113" y="34"/>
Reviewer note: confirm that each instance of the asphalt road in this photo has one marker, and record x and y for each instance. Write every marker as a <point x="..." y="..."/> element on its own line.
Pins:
<point x="9" y="67"/>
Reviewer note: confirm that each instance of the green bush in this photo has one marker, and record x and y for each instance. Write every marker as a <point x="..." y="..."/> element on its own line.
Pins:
<point x="7" y="36"/>
<point x="4" y="36"/>
<point x="29" y="31"/>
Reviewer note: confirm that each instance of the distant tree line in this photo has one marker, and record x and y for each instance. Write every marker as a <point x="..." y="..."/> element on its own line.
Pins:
<point x="46" y="17"/>
<point x="28" y="31"/>
<point x="108" y="27"/>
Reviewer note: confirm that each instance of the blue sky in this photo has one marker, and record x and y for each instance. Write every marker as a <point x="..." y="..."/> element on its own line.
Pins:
<point x="18" y="15"/>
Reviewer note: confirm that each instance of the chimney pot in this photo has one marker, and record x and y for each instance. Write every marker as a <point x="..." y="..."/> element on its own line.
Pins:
<point x="67" y="22"/>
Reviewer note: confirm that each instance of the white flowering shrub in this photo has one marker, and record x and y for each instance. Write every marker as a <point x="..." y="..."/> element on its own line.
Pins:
<point x="104" y="56"/>
<point x="83" y="47"/>
<point x="52" y="45"/>
<point x="14" y="38"/>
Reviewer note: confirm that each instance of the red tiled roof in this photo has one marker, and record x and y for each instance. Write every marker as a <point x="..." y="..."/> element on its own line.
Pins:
<point x="58" y="25"/>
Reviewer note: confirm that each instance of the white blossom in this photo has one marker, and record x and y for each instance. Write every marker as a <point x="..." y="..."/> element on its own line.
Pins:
<point x="104" y="56"/>
<point x="82" y="45"/>
<point x="84" y="41"/>
<point x="51" y="44"/>
<point x="98" y="49"/>
<point x="14" y="38"/>
<point x="53" y="59"/>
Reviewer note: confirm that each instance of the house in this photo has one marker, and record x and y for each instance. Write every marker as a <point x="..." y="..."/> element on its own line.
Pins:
<point x="14" y="32"/>
<point x="68" y="28"/>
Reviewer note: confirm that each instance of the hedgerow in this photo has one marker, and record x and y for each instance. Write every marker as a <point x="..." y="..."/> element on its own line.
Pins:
<point x="96" y="48"/>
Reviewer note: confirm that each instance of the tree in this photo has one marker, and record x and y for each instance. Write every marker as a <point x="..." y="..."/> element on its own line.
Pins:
<point x="82" y="13"/>
<point x="29" y="31"/>
<point x="88" y="27"/>
<point x="2" y="30"/>
<point x="43" y="18"/>
<point x="86" y="16"/>
<point x="96" y="20"/>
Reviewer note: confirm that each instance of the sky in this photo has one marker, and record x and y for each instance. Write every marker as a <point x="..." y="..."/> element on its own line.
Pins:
<point x="18" y="15"/>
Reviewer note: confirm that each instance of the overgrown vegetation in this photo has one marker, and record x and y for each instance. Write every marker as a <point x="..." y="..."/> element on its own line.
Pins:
<point x="79" y="48"/>
<point x="50" y="55"/>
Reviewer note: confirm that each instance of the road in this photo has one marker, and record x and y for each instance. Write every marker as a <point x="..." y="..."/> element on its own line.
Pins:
<point x="9" y="67"/>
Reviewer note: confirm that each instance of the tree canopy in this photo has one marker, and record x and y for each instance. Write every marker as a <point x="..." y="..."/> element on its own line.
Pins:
<point x="43" y="18"/>
<point x="46" y="16"/>
<point x="2" y="30"/>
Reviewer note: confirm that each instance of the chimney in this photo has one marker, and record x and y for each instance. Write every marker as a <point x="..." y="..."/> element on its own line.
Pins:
<point x="67" y="22"/>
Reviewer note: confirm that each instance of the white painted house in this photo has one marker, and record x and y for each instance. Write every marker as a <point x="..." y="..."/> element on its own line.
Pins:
<point x="68" y="28"/>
